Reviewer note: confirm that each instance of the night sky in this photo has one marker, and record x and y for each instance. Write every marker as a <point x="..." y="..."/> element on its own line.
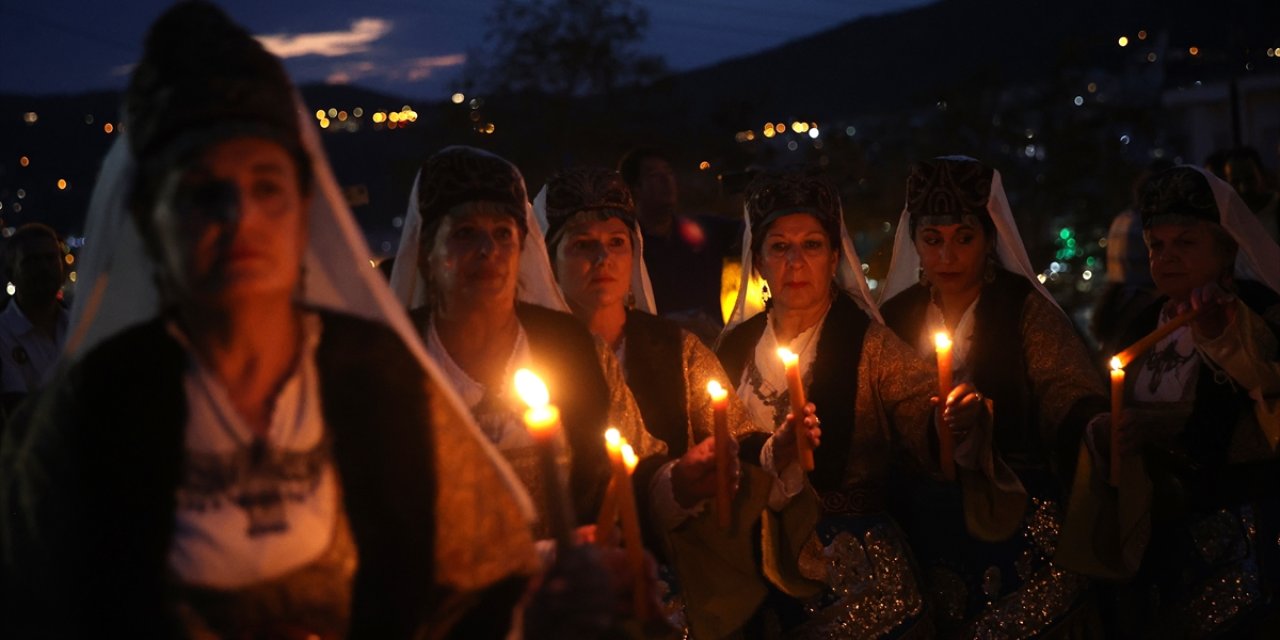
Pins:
<point x="411" y="48"/>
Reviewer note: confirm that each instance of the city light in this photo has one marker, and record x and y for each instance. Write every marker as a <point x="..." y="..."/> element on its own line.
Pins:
<point x="1142" y="35"/>
<point x="30" y="117"/>
<point x="24" y="161"/>
<point x="1151" y="57"/>
<point x="458" y="98"/>
<point x="704" y="165"/>
<point x="1123" y="41"/>
<point x="319" y="114"/>
<point x="108" y="128"/>
<point x="62" y="184"/>
<point x="814" y="133"/>
<point x="1194" y="51"/>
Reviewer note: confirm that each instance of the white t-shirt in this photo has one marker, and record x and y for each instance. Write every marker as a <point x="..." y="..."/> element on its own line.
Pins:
<point x="27" y="356"/>
<point x="251" y="509"/>
<point x="498" y="412"/>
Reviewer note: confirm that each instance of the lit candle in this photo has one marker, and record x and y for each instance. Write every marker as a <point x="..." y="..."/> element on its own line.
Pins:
<point x="608" y="518"/>
<point x="720" y="410"/>
<point x="543" y="422"/>
<point x="631" y="531"/>
<point x="624" y="461"/>
<point x="942" y="343"/>
<point x="1152" y="339"/>
<point x="804" y="449"/>
<point x="1117" y="410"/>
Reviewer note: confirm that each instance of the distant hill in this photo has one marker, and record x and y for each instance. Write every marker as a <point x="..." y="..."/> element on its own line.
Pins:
<point x="915" y="57"/>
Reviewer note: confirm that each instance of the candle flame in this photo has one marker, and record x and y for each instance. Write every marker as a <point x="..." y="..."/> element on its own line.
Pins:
<point x="531" y="389"/>
<point x="1116" y="365"/>
<point x="787" y="356"/>
<point x="717" y="392"/>
<point x="941" y="340"/>
<point x="612" y="437"/>
<point x="629" y="457"/>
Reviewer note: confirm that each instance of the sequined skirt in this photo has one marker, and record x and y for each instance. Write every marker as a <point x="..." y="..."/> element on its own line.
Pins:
<point x="1005" y="589"/>
<point x="1211" y="575"/>
<point x="873" y="590"/>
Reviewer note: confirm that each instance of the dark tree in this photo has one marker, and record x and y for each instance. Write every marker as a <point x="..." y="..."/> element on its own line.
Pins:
<point x="564" y="48"/>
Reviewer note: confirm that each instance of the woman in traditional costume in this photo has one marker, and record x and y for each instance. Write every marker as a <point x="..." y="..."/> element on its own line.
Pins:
<point x="248" y="441"/>
<point x="959" y="267"/>
<point x="481" y="294"/>
<point x="1202" y="419"/>
<point x="588" y="218"/>
<point x="856" y="577"/>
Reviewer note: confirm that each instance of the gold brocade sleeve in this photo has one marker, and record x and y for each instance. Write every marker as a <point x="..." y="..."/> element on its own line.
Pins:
<point x="624" y="415"/>
<point x="700" y="367"/>
<point x="1058" y="364"/>
<point x="894" y="387"/>
<point x="1246" y="351"/>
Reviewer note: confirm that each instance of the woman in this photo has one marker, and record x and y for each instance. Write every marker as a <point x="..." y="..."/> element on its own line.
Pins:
<point x="588" y="218"/>
<point x="873" y="394"/>
<point x="465" y="248"/>
<point x="1202" y="418"/>
<point x="205" y="465"/>
<point x="959" y="266"/>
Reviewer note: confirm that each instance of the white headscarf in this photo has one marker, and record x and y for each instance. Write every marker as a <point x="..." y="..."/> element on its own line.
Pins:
<point x="1257" y="249"/>
<point x="537" y="282"/>
<point x="849" y="276"/>
<point x="640" y="286"/>
<point x="120" y="288"/>
<point x="905" y="264"/>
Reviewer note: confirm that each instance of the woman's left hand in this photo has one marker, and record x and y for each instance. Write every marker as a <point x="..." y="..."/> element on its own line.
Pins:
<point x="963" y="411"/>
<point x="1218" y="312"/>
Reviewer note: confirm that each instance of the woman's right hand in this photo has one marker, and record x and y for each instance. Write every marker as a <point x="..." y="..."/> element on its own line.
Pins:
<point x="577" y="597"/>
<point x="784" y="439"/>
<point x="693" y="477"/>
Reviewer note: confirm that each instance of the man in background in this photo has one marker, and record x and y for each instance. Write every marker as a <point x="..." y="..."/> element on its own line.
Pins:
<point x="33" y="326"/>
<point x="685" y="255"/>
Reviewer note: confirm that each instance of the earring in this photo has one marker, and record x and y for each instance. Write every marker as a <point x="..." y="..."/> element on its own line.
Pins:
<point x="631" y="300"/>
<point x="765" y="296"/>
<point x="989" y="275"/>
<point x="924" y="281"/>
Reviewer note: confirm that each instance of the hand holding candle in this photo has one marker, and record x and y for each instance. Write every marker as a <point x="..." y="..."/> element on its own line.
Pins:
<point x="946" y="444"/>
<point x="543" y="422"/>
<point x="804" y="448"/>
<point x="1117" y="411"/>
<point x="720" y="411"/>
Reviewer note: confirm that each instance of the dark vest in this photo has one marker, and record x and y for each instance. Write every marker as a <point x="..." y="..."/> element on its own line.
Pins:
<point x="999" y="366"/>
<point x="655" y="373"/>
<point x="578" y="387"/>
<point x="106" y="511"/>
<point x="834" y="386"/>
